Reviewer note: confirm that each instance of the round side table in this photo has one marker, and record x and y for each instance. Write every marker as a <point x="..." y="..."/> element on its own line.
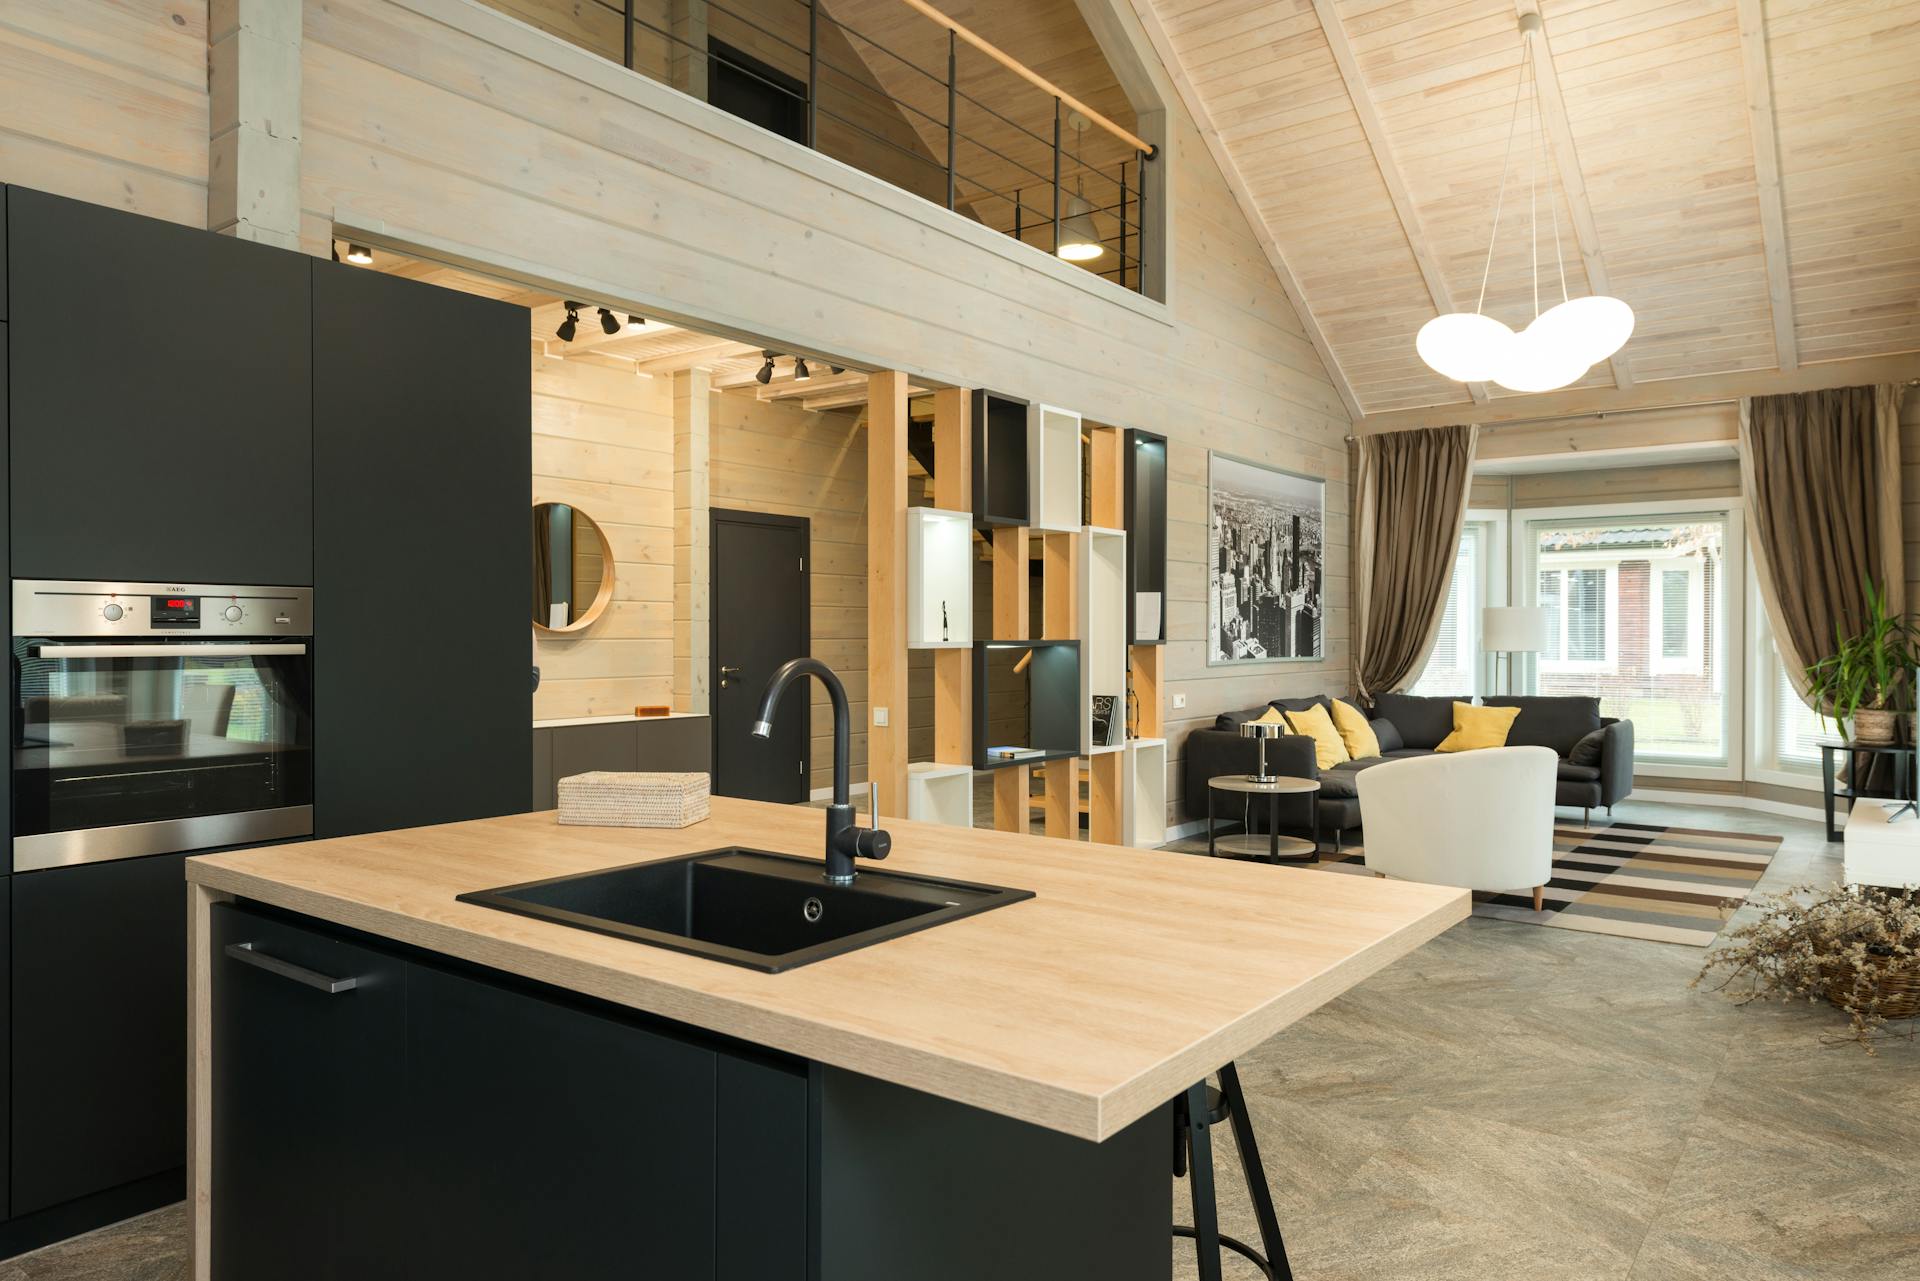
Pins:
<point x="1279" y="849"/>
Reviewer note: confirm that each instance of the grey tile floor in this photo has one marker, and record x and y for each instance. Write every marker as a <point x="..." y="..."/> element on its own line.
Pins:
<point x="1517" y="1102"/>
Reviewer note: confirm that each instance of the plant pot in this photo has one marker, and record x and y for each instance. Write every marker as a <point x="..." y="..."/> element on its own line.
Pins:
<point x="1897" y="990"/>
<point x="1873" y="725"/>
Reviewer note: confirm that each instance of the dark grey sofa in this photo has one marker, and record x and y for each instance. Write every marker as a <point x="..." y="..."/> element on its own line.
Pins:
<point x="1412" y="726"/>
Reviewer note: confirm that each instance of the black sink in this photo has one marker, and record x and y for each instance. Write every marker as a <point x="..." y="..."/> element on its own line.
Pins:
<point x="765" y="911"/>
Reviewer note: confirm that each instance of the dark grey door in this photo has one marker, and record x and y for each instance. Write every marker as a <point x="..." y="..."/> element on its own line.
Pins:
<point x="760" y="619"/>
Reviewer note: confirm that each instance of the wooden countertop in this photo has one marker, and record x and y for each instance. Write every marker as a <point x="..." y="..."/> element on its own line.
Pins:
<point x="1131" y="975"/>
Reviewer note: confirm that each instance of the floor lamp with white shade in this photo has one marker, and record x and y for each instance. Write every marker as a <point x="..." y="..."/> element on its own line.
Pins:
<point x="1513" y="629"/>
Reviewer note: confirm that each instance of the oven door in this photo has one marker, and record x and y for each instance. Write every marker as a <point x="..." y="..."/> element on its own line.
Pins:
<point x="147" y="747"/>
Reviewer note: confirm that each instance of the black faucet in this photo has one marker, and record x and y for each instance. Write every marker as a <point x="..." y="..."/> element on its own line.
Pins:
<point x="845" y="840"/>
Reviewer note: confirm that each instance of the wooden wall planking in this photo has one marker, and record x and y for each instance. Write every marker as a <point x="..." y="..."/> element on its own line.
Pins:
<point x="107" y="101"/>
<point x="603" y="441"/>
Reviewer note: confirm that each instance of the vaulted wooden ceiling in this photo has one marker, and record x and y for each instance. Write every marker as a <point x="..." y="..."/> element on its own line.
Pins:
<point x="1744" y="173"/>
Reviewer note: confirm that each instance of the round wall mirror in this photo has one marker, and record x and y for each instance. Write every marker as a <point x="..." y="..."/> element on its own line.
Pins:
<point x="572" y="568"/>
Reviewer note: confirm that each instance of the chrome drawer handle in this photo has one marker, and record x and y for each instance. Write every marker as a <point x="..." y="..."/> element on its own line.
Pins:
<point x="247" y="954"/>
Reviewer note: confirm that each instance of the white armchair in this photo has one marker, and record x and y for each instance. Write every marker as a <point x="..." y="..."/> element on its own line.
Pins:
<point x="1479" y="820"/>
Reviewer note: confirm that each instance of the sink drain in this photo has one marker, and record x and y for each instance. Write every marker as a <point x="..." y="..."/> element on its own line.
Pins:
<point x="813" y="909"/>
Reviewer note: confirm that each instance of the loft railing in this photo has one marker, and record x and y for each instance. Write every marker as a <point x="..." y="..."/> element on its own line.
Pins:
<point x="1028" y="183"/>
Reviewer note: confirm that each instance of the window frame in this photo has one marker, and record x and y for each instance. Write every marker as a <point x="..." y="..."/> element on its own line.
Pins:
<point x="1560" y="563"/>
<point x="1696" y="627"/>
<point x="1762" y="754"/>
<point x="1733" y="563"/>
<point x="1490" y="525"/>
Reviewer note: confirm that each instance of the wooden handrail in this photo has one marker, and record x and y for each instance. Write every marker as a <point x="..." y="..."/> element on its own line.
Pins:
<point x="1026" y="73"/>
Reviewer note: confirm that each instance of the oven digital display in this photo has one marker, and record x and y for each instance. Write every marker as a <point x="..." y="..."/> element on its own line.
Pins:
<point x="174" y="611"/>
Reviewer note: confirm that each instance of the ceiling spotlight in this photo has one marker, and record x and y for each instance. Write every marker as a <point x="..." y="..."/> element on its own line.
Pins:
<point x="800" y="371"/>
<point x="765" y="375"/>
<point x="635" y="322"/>
<point x="570" y="325"/>
<point x="838" y="369"/>
<point x="360" y="254"/>
<point x="609" y="323"/>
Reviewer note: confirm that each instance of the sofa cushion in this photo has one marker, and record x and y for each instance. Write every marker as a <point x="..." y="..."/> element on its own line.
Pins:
<point x="1422" y="722"/>
<point x="1407" y="753"/>
<point x="1301" y="704"/>
<point x="1329" y="749"/>
<point x="1556" y="721"/>
<point x="1338" y="781"/>
<point x="1476" y="729"/>
<point x="1386" y="734"/>
<point x="1359" y="737"/>
<point x="1572" y="773"/>
<point x="1589" y="749"/>
<point x="1231" y="721"/>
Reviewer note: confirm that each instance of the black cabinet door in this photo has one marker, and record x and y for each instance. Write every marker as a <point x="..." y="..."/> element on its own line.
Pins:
<point x="99" y="1027"/>
<point x="6" y="1029"/>
<point x="308" y="1087"/>
<point x="184" y="455"/>
<point x="556" y="1142"/>
<point x="422" y="711"/>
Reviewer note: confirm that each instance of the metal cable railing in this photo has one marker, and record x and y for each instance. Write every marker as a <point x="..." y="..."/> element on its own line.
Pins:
<point x="839" y="110"/>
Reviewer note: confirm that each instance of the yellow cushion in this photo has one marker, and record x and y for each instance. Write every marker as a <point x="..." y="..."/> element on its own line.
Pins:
<point x="1328" y="747"/>
<point x="1359" y="737"/>
<point x="1478" y="727"/>
<point x="1271" y="716"/>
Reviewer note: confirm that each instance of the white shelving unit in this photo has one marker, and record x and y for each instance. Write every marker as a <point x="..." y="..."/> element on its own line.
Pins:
<point x="940" y="793"/>
<point x="1146" y="784"/>
<point x="1103" y="628"/>
<point x="939" y="575"/>
<point x="1053" y="468"/>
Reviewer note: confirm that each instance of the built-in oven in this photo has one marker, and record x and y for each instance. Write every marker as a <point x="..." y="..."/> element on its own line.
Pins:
<point x="155" y="717"/>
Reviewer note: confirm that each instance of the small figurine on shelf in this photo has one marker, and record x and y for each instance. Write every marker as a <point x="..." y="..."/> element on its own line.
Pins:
<point x="943" y="622"/>
<point x="1133" y="706"/>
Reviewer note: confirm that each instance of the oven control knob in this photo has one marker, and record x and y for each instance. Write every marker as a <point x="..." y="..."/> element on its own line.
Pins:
<point x="113" y="613"/>
<point x="233" y="613"/>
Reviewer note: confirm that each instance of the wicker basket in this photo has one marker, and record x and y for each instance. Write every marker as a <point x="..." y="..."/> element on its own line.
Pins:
<point x="606" y="798"/>
<point x="1898" y="990"/>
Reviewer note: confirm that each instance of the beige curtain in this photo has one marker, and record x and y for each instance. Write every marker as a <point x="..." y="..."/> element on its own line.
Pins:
<point x="1821" y="475"/>
<point x="1410" y="502"/>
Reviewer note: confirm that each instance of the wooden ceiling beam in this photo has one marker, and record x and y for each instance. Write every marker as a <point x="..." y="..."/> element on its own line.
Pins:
<point x="1375" y="130"/>
<point x="1553" y="111"/>
<point x="710" y="354"/>
<point x="1766" y="174"/>
<point x="1242" y="197"/>
<point x="1666" y="393"/>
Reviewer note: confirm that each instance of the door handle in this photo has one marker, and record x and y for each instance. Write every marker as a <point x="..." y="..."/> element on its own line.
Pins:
<point x="725" y="672"/>
<point x="247" y="954"/>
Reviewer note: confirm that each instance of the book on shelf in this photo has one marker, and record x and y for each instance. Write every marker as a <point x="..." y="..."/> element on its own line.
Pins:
<point x="1013" y="753"/>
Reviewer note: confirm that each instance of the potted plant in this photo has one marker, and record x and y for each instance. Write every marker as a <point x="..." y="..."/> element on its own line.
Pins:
<point x="1865" y="681"/>
<point x="1856" y="947"/>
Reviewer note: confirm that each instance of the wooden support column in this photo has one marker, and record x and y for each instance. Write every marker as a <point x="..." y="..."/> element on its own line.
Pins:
<point x="687" y="51"/>
<point x="1059" y="588"/>
<point x="253" y="123"/>
<point x="1149" y="689"/>
<point x="1106" y="497"/>
<point x="692" y="556"/>
<point x="1010" y="573"/>
<point x="953" y="491"/>
<point x="887" y="588"/>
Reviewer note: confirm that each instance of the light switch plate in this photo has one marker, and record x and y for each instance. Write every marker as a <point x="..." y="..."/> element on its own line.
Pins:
<point x="1179" y="701"/>
<point x="879" y="716"/>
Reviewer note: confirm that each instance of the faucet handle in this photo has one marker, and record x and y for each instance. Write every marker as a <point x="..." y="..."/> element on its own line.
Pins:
<point x="872" y="843"/>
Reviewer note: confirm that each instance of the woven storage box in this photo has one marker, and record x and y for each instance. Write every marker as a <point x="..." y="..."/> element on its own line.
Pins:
<point x="606" y="798"/>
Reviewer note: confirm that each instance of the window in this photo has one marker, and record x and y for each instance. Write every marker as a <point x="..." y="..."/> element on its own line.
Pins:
<point x="1787" y="732"/>
<point x="1453" y="668"/>
<point x="1634" y="617"/>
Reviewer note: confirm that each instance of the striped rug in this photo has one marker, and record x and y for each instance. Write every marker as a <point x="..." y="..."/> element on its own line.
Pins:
<point x="1635" y="880"/>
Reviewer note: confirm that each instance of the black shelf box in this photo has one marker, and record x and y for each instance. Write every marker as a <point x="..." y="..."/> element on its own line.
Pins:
<point x="1050" y="688"/>
<point x="999" y="459"/>
<point x="1145" y="511"/>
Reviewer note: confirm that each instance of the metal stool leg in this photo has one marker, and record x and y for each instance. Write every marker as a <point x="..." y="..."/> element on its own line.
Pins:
<point x="1256" y="1175"/>
<point x="1206" y="1219"/>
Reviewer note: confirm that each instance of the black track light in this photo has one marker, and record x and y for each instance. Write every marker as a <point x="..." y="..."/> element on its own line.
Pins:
<point x="765" y="375"/>
<point x="609" y="323"/>
<point x="360" y="255"/>
<point x="800" y="371"/>
<point x="571" y="324"/>
<point x="837" y="369"/>
<point x="635" y="322"/>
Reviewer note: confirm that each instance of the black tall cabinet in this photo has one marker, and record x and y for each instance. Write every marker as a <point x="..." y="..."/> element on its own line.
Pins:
<point x="162" y="400"/>
<point x="421" y="458"/>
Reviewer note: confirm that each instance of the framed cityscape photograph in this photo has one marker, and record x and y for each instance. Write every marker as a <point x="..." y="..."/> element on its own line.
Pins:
<point x="1266" y="563"/>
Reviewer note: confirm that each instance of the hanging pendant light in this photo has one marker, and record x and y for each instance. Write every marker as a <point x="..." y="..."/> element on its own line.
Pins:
<point x="1079" y="238"/>
<point x="1560" y="344"/>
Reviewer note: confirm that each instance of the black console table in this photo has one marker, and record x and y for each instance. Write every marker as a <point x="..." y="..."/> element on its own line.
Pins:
<point x="1856" y="753"/>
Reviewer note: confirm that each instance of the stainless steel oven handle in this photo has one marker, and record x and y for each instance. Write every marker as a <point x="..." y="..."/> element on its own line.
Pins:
<point x="247" y="954"/>
<point x="187" y="649"/>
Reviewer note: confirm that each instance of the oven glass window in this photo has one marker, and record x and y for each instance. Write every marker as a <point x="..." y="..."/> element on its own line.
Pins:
<point x="106" y="741"/>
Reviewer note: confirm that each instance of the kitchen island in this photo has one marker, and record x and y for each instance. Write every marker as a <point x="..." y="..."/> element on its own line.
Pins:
<point x="395" y="1083"/>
